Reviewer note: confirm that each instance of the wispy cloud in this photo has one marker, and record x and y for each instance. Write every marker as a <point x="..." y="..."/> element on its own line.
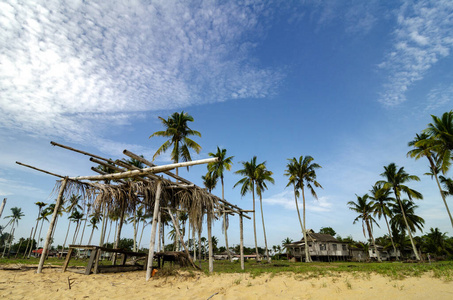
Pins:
<point x="285" y="199"/>
<point x="69" y="70"/>
<point x="424" y="35"/>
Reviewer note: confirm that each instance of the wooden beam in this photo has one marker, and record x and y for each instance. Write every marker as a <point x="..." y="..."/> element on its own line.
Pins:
<point x="145" y="171"/>
<point x="152" y="242"/>
<point x="40" y="170"/>
<point x="51" y="225"/>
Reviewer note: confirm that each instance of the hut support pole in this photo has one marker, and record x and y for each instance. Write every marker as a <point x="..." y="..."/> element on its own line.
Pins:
<point x="152" y="242"/>
<point x="241" y="226"/>
<point x="211" y="256"/>
<point x="52" y="222"/>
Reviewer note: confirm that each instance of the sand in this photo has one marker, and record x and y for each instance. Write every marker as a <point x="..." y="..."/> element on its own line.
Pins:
<point x="53" y="284"/>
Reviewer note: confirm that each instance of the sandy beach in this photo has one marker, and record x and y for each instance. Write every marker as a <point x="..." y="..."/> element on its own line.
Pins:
<point x="53" y="284"/>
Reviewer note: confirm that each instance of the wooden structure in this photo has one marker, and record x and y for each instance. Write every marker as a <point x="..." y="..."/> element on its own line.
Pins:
<point x="322" y="247"/>
<point x="129" y="186"/>
<point x="95" y="255"/>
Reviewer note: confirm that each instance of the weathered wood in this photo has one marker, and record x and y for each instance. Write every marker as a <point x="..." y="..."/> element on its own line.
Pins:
<point x="211" y="255"/>
<point x="93" y="255"/>
<point x="152" y="242"/>
<point x="241" y="247"/>
<point x="40" y="170"/>
<point x="52" y="222"/>
<point x="68" y="258"/>
<point x="145" y="171"/>
<point x="80" y="151"/>
<point x="119" y="268"/>
<point x="96" y="261"/>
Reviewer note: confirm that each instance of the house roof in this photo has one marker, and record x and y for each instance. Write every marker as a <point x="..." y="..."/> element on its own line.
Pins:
<point x="315" y="237"/>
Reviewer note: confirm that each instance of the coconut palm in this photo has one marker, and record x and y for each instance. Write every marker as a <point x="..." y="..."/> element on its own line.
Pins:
<point x="302" y="172"/>
<point x="365" y="210"/>
<point x="96" y="217"/>
<point x="218" y="168"/>
<point x="16" y="215"/>
<point x="381" y="197"/>
<point x="76" y="217"/>
<point x="40" y="206"/>
<point x="209" y="181"/>
<point x="248" y="182"/>
<point x="422" y="148"/>
<point x="395" y="180"/>
<point x="404" y="218"/>
<point x="262" y="176"/>
<point x="178" y="132"/>
<point x="285" y="243"/>
<point x="441" y="142"/>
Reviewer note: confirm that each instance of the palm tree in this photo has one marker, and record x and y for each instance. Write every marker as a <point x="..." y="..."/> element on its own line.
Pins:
<point x="435" y="242"/>
<point x="441" y="142"/>
<point x="178" y="131"/>
<point x="43" y="217"/>
<point x="302" y="172"/>
<point x="94" y="220"/>
<point x="395" y="180"/>
<point x="76" y="217"/>
<point x="40" y="206"/>
<point x="381" y="197"/>
<point x="262" y="176"/>
<point x="404" y="218"/>
<point x="248" y="185"/>
<point x="365" y="210"/>
<point x="16" y="215"/>
<point x="421" y="148"/>
<point x="218" y="168"/>
<point x="285" y="243"/>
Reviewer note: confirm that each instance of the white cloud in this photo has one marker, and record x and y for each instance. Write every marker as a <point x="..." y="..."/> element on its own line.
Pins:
<point x="68" y="70"/>
<point x="285" y="199"/>
<point x="423" y="37"/>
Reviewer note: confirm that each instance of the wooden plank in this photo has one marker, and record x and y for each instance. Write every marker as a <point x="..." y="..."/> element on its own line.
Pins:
<point x="90" y="261"/>
<point x="68" y="257"/>
<point x="96" y="263"/>
<point x="123" y="261"/>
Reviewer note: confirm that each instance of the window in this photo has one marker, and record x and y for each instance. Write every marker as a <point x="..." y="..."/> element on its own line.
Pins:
<point x="334" y="247"/>
<point x="322" y="246"/>
<point x="344" y="247"/>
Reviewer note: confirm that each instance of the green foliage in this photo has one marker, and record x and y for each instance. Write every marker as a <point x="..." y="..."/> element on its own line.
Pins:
<point x="327" y="230"/>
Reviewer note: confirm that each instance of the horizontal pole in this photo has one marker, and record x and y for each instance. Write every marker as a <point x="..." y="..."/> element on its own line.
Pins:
<point x="146" y="171"/>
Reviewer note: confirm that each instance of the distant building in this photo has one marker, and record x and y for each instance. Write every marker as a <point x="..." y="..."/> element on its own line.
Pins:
<point x="322" y="247"/>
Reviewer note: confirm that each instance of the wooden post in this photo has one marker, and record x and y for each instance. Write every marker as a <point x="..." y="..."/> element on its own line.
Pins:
<point x="52" y="222"/>
<point x="3" y="206"/>
<point x="241" y="226"/>
<point x="153" y="231"/>
<point x="211" y="262"/>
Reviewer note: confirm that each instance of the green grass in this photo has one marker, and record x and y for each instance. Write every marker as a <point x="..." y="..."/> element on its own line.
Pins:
<point x="301" y="271"/>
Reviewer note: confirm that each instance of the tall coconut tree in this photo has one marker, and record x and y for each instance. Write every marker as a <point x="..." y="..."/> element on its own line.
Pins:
<point x="404" y="219"/>
<point x="178" y="132"/>
<point x="16" y="215"/>
<point x="302" y="173"/>
<point x="248" y="182"/>
<point x="396" y="180"/>
<point x="441" y="141"/>
<point x="263" y="175"/>
<point x="381" y="198"/>
<point x="285" y="244"/>
<point x="96" y="217"/>
<point x="423" y="148"/>
<point x="210" y="182"/>
<point x="365" y="210"/>
<point x="40" y="206"/>
<point x="43" y="217"/>
<point x="218" y="168"/>
<point x="76" y="217"/>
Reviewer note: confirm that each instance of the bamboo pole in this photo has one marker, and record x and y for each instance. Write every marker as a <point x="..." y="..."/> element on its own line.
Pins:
<point x="52" y="222"/>
<point x="152" y="242"/>
<point x="3" y="206"/>
<point x="145" y="171"/>
<point x="241" y="247"/>
<point x="211" y="262"/>
<point x="40" y="170"/>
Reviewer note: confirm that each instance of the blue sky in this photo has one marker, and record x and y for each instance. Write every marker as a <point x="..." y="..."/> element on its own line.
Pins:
<point x="349" y="83"/>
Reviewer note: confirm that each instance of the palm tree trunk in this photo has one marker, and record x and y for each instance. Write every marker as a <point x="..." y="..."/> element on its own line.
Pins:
<point x="264" y="230"/>
<point x="10" y="237"/>
<point x="110" y="229"/>
<point x="254" y="222"/>
<point x="194" y="248"/>
<point x="298" y="212"/>
<point x="225" y="227"/>
<point x="91" y="235"/>
<point x="370" y="234"/>
<point x="391" y="238"/>
<point x="307" y="254"/>
<point x="64" y="243"/>
<point x="407" y="226"/>
<point x="34" y="234"/>
<point x="40" y="229"/>
<point x="433" y="168"/>
<point x="83" y="231"/>
<point x="135" y="225"/>
<point x="28" y="243"/>
<point x="199" y="244"/>
<point x="103" y="226"/>
<point x="141" y="235"/>
<point x="159" y="230"/>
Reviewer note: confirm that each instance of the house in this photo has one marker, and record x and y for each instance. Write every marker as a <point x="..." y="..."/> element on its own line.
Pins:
<point x="322" y="247"/>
